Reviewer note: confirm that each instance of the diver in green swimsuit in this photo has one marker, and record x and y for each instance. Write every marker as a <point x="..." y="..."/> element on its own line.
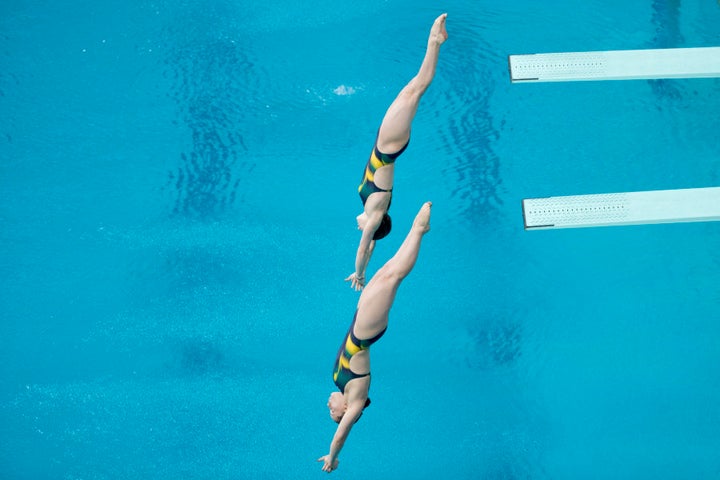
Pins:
<point x="393" y="136"/>
<point x="351" y="372"/>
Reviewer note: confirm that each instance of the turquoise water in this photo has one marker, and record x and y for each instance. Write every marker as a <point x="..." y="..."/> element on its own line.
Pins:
<point x="178" y="199"/>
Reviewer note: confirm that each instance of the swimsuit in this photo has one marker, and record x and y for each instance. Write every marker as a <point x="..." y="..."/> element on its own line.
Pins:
<point x="352" y="345"/>
<point x="377" y="160"/>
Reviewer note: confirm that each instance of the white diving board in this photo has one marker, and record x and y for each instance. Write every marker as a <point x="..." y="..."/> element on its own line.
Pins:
<point x="703" y="62"/>
<point x="629" y="208"/>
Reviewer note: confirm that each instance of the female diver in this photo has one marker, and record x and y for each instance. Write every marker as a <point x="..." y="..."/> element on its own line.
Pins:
<point x="352" y="365"/>
<point x="392" y="139"/>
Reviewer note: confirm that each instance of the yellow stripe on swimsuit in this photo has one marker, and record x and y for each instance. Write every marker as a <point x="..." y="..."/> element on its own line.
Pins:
<point x="342" y="373"/>
<point x="377" y="159"/>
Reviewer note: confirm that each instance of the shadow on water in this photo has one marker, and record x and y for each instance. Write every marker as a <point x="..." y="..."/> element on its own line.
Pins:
<point x="666" y="20"/>
<point x="199" y="357"/>
<point x="212" y="78"/>
<point x="8" y="80"/>
<point x="208" y="357"/>
<point x="497" y="344"/>
<point x="195" y="267"/>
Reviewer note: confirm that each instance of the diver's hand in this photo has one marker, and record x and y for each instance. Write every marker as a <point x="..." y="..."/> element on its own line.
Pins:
<point x="357" y="282"/>
<point x="328" y="465"/>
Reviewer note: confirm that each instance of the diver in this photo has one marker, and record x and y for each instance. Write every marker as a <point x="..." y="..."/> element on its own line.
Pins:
<point x="351" y="373"/>
<point x="392" y="139"/>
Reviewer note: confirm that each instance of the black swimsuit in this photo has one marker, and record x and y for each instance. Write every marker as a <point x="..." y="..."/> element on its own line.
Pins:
<point x="377" y="159"/>
<point x="350" y="346"/>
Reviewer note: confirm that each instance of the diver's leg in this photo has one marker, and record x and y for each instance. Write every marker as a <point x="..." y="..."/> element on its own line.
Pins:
<point x="377" y="297"/>
<point x="404" y="259"/>
<point x="395" y="128"/>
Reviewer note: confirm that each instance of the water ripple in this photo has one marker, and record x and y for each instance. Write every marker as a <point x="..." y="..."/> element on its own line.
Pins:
<point x="213" y="78"/>
<point x="471" y="132"/>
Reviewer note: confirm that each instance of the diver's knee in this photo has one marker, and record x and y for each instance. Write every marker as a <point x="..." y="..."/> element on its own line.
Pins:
<point x="390" y="273"/>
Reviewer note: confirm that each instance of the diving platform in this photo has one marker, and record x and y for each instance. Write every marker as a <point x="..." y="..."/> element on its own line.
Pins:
<point x="702" y="62"/>
<point x="627" y="208"/>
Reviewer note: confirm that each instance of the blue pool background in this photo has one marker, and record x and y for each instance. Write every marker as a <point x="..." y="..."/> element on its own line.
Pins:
<point x="177" y="201"/>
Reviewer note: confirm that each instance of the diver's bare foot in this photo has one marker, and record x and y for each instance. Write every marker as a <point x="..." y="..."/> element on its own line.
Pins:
<point x="438" y="33"/>
<point x="422" y="219"/>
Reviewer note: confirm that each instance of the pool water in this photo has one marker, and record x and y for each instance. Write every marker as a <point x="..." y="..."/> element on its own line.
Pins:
<point x="178" y="199"/>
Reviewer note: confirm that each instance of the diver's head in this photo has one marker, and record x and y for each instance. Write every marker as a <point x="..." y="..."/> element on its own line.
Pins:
<point x="337" y="405"/>
<point x="382" y="230"/>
